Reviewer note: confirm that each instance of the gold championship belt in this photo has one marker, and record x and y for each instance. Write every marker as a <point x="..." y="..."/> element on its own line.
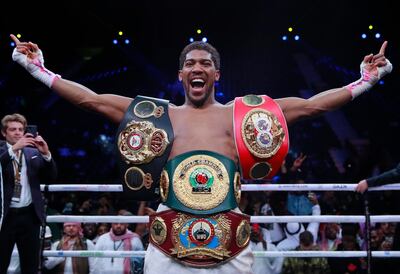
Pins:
<point x="140" y="142"/>
<point x="200" y="241"/>
<point x="200" y="182"/>
<point x="144" y="143"/>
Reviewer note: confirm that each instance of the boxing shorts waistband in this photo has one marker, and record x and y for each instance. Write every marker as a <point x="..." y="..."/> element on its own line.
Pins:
<point x="200" y="241"/>
<point x="200" y="182"/>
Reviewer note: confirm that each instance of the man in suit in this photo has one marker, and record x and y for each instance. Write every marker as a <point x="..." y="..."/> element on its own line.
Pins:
<point x="388" y="177"/>
<point x="26" y="162"/>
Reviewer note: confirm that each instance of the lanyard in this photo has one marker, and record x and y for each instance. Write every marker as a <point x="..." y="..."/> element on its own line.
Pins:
<point x="116" y="248"/>
<point x="17" y="178"/>
<point x="17" y="168"/>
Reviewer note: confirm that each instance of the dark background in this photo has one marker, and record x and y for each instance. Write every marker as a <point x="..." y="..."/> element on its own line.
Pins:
<point x="76" y="39"/>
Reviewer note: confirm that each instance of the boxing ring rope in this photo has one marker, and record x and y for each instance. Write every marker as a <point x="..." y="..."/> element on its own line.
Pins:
<point x="260" y="254"/>
<point x="253" y="219"/>
<point x="245" y="187"/>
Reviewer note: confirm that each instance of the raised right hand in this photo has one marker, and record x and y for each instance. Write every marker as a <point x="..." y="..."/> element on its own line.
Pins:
<point x="26" y="54"/>
<point x="29" y="56"/>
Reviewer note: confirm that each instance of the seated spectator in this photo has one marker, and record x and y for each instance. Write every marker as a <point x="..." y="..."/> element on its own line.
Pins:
<point x="71" y="240"/>
<point x="101" y="229"/>
<point x="119" y="238"/>
<point x="330" y="237"/>
<point x="264" y="265"/>
<point x="347" y="265"/>
<point x="89" y="231"/>
<point x="312" y="265"/>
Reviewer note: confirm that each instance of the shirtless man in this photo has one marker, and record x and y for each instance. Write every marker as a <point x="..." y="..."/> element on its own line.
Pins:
<point x="210" y="129"/>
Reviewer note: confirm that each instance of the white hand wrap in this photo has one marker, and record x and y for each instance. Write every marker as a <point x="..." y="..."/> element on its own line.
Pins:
<point x="367" y="81"/>
<point x="35" y="67"/>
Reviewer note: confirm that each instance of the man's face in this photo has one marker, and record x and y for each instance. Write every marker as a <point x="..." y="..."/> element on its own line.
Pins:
<point x="89" y="230"/>
<point x="198" y="76"/>
<point x="375" y="239"/>
<point x="71" y="230"/>
<point x="102" y="229"/>
<point x="119" y="229"/>
<point x="14" y="132"/>
<point x="331" y="231"/>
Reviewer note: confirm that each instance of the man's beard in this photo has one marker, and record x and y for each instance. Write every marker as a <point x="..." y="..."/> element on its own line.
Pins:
<point x="200" y="102"/>
<point x="119" y="232"/>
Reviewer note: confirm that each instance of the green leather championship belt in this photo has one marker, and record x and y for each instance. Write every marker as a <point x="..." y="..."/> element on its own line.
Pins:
<point x="200" y="182"/>
<point x="145" y="138"/>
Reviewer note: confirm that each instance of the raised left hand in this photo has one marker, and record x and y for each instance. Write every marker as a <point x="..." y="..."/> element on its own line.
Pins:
<point x="41" y="145"/>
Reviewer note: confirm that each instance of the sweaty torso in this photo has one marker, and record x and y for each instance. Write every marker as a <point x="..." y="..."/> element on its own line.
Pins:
<point x="209" y="128"/>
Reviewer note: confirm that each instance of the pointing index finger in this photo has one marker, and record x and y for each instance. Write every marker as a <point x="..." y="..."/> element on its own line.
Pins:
<point x="15" y="39"/>
<point x="383" y="47"/>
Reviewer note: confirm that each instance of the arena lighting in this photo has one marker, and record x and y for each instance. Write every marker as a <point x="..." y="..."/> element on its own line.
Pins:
<point x="370" y="27"/>
<point x="127" y="41"/>
<point x="19" y="35"/>
<point x="191" y="39"/>
<point x="115" y="41"/>
<point x="381" y="82"/>
<point x="120" y="33"/>
<point x="198" y="31"/>
<point x="204" y="39"/>
<point x="363" y="36"/>
<point x="377" y="35"/>
<point x="290" y="35"/>
<point x="12" y="44"/>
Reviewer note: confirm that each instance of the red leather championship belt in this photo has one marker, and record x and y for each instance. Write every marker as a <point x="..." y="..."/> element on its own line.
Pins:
<point x="200" y="241"/>
<point x="261" y="135"/>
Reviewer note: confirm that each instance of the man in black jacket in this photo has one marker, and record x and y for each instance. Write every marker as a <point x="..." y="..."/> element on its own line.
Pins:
<point x="26" y="162"/>
<point x="389" y="177"/>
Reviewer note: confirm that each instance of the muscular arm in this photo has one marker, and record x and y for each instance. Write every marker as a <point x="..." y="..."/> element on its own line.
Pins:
<point x="373" y="68"/>
<point x="295" y="108"/>
<point x="29" y="56"/>
<point x="111" y="106"/>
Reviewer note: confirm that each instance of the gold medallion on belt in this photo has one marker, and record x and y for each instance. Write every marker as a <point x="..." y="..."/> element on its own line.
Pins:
<point x="191" y="237"/>
<point x="140" y="142"/>
<point x="201" y="182"/>
<point x="262" y="133"/>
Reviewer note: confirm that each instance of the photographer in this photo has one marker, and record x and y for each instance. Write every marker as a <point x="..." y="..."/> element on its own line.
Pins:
<point x="26" y="162"/>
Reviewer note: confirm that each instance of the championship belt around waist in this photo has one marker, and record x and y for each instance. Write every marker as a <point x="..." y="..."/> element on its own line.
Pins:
<point x="144" y="144"/>
<point x="261" y="136"/>
<point x="200" y="182"/>
<point x="200" y="241"/>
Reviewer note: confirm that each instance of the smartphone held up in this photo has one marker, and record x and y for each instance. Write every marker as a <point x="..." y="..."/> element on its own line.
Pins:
<point x="32" y="129"/>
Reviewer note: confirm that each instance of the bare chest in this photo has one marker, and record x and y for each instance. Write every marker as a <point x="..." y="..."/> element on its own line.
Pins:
<point x="203" y="130"/>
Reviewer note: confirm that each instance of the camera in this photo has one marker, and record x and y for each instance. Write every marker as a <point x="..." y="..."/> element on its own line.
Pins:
<point x="31" y="129"/>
